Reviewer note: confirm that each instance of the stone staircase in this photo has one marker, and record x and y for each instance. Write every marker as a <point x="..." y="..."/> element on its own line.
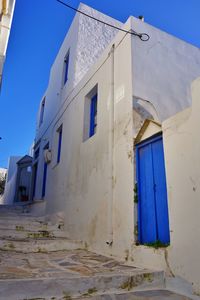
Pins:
<point x="38" y="262"/>
<point x="22" y="232"/>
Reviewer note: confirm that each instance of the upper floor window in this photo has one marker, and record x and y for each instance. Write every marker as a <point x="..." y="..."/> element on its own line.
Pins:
<point x="90" y="113"/>
<point x="42" y="111"/>
<point x="93" y="115"/>
<point x="59" y="131"/>
<point x="66" y="67"/>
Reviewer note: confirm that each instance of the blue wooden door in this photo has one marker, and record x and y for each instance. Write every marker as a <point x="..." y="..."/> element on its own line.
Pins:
<point x="153" y="222"/>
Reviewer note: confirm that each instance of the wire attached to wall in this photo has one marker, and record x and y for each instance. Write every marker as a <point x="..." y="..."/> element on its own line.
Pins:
<point x="143" y="36"/>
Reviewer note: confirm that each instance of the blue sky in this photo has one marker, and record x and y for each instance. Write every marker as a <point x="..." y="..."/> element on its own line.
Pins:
<point x="38" y="29"/>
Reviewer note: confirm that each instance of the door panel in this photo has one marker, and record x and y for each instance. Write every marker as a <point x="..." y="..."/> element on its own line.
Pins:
<point x="147" y="205"/>
<point x="160" y="192"/>
<point x="153" y="223"/>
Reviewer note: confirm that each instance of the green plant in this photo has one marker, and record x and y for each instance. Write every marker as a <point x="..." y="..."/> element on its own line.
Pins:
<point x="90" y="291"/>
<point x="157" y="244"/>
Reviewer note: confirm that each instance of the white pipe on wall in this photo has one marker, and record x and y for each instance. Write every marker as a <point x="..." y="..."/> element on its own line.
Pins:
<point x="110" y="152"/>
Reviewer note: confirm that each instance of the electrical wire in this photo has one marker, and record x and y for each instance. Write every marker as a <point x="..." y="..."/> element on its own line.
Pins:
<point x="143" y="36"/>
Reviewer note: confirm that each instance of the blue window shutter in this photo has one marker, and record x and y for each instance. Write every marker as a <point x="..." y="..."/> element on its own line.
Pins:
<point x="66" y="68"/>
<point x="59" y="145"/>
<point x="93" y="115"/>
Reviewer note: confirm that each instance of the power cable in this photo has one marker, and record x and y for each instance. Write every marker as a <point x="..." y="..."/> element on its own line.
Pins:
<point x="143" y="36"/>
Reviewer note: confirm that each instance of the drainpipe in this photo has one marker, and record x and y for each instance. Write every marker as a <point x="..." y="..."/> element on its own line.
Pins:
<point x="110" y="153"/>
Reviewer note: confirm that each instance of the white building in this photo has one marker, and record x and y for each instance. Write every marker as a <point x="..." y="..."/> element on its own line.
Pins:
<point x="98" y="155"/>
<point x="6" y="15"/>
<point x="3" y="172"/>
<point x="18" y="181"/>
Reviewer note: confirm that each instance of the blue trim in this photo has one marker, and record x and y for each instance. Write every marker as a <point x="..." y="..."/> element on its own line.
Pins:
<point x="138" y="192"/>
<point x="44" y="180"/>
<point x="59" y="145"/>
<point x="93" y="113"/>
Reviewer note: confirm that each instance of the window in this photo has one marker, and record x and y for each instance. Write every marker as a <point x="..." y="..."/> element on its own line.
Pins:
<point x="36" y="153"/>
<point x="59" y="131"/>
<point x="93" y="115"/>
<point x="90" y="114"/>
<point x="66" y="67"/>
<point x="42" y="112"/>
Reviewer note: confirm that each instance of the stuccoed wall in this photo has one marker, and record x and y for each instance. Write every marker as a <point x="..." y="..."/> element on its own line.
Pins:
<point x="163" y="70"/>
<point x="182" y="148"/>
<point x="9" y="193"/>
<point x="79" y="186"/>
<point x="86" y="40"/>
<point x="6" y="14"/>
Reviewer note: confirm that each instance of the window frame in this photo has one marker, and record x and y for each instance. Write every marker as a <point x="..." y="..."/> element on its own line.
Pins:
<point x="66" y="68"/>
<point x="42" y="107"/>
<point x="90" y="118"/>
<point x="59" y="143"/>
<point x="93" y="115"/>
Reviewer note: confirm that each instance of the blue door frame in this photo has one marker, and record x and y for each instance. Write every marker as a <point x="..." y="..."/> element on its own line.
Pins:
<point x="153" y="220"/>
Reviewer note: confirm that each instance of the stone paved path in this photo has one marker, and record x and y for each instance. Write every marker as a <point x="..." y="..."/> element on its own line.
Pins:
<point x="25" y="273"/>
<point x="59" y="264"/>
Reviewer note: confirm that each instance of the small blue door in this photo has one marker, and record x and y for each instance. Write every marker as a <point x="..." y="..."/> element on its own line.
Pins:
<point x="153" y="222"/>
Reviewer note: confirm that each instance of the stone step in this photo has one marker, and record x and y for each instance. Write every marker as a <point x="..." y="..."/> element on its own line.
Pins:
<point x="78" y="286"/>
<point x="31" y="245"/>
<point x="21" y="217"/>
<point x="12" y="208"/>
<point x="29" y="225"/>
<point x="158" y="294"/>
<point x="20" y="233"/>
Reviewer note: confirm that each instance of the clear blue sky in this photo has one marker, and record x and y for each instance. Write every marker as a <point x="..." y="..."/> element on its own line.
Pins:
<point x="38" y="29"/>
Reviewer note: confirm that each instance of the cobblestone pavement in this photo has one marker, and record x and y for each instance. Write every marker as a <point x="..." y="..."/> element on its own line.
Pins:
<point x="58" y="264"/>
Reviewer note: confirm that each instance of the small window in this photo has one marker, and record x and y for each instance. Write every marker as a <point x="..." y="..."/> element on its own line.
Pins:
<point x="59" y="131"/>
<point x="93" y="115"/>
<point x="42" y="112"/>
<point x="66" y="67"/>
<point x="36" y="154"/>
<point x="90" y="113"/>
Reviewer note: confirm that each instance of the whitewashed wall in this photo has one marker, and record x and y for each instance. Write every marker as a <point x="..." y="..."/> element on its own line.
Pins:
<point x="182" y="148"/>
<point x="79" y="186"/>
<point x="86" y="40"/>
<point x="160" y="72"/>
<point x="9" y="193"/>
<point x="163" y="70"/>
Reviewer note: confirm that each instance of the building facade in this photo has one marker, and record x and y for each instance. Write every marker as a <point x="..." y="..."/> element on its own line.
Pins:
<point x="102" y="154"/>
<point x="6" y="15"/>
